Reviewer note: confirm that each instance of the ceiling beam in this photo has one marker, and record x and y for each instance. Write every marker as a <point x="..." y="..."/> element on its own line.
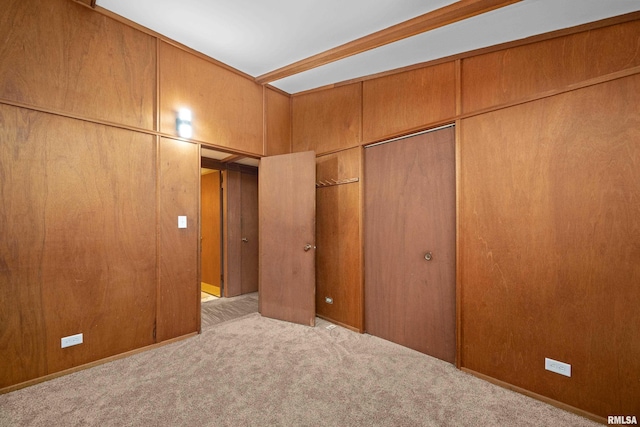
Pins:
<point x="455" y="12"/>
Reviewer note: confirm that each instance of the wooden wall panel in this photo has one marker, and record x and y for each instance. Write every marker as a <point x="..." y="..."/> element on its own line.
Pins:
<point x="517" y="73"/>
<point x="62" y="56"/>
<point x="178" y="288"/>
<point x="78" y="247"/>
<point x="402" y="102"/>
<point x="327" y="120"/>
<point x="278" y="122"/>
<point x="549" y="232"/>
<point x="338" y="240"/>
<point x="226" y="107"/>
<point x="22" y="329"/>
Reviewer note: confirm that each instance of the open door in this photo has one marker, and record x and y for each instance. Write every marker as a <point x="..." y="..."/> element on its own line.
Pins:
<point x="287" y="207"/>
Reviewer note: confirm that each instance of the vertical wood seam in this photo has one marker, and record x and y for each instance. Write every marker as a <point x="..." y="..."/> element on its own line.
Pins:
<point x="158" y="140"/>
<point x="458" y="173"/>
<point x="361" y="136"/>
<point x="361" y="185"/>
<point x="158" y="232"/>
<point x="199" y="244"/>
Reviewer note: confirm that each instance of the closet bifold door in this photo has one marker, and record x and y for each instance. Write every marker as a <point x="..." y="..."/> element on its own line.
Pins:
<point x="409" y="235"/>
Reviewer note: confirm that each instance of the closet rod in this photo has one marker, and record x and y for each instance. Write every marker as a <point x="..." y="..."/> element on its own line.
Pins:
<point x="409" y="136"/>
<point x="332" y="182"/>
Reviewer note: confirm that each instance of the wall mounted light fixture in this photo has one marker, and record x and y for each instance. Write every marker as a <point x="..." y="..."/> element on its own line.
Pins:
<point x="183" y="123"/>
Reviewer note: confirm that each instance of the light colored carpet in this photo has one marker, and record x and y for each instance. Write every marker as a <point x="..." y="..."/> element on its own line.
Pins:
<point x="255" y="371"/>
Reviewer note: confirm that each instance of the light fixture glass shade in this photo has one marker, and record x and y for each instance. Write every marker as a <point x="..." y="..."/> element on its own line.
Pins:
<point x="183" y="123"/>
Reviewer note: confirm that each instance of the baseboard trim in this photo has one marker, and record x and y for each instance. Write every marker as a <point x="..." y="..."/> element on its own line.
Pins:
<point x="537" y="396"/>
<point x="344" y="325"/>
<point x="54" y="375"/>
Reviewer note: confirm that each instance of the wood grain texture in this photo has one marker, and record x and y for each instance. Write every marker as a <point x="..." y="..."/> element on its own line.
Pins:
<point x="227" y="108"/>
<point x="398" y="103"/>
<point x="278" y="122"/>
<point x="210" y="209"/>
<point x="327" y="120"/>
<point x="550" y="225"/>
<point x="409" y="211"/>
<point x="516" y="73"/>
<point x="339" y="249"/>
<point x="286" y="191"/>
<point x="338" y="258"/>
<point x="77" y="216"/>
<point x="178" y="287"/>
<point x="249" y="198"/>
<point x="63" y="56"/>
<point x="232" y="220"/>
<point x="457" y="11"/>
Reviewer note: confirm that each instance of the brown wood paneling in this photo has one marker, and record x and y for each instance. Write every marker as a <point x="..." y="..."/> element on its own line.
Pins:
<point x="249" y="232"/>
<point x="398" y="103"/>
<point x="78" y="248"/>
<point x="287" y="237"/>
<point x="550" y="225"/>
<point x="65" y="57"/>
<point x="512" y="74"/>
<point x="226" y="107"/>
<point x="278" y="122"/>
<point x="410" y="211"/>
<point x="178" y="288"/>
<point x="327" y="120"/>
<point x="339" y="252"/>
<point x="22" y="206"/>
<point x="211" y="265"/>
<point x="342" y="165"/>
<point x="233" y="233"/>
<point x="338" y="259"/>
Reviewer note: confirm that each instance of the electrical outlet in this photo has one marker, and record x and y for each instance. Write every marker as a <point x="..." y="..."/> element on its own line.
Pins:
<point x="557" y="367"/>
<point x="71" y="340"/>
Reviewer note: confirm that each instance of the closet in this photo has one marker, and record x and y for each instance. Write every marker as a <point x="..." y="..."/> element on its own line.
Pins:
<point x="409" y="239"/>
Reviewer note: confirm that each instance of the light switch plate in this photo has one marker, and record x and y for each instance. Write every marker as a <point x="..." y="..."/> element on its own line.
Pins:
<point x="182" y="222"/>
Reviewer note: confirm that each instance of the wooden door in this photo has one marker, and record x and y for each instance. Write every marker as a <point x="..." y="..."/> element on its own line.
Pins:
<point x="409" y="213"/>
<point x="210" y="232"/>
<point x="287" y="233"/>
<point x="249" y="232"/>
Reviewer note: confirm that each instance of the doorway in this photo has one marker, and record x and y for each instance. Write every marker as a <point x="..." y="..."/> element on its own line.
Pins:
<point x="410" y="225"/>
<point x="228" y="225"/>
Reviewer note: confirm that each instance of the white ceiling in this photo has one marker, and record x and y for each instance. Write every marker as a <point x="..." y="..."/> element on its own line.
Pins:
<point x="259" y="36"/>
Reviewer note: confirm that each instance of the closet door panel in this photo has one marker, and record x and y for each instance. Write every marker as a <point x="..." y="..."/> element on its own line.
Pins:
<point x="409" y="217"/>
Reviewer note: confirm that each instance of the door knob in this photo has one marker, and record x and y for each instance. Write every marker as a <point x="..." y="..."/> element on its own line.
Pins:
<point x="307" y="247"/>
<point x="244" y="239"/>
<point x="428" y="256"/>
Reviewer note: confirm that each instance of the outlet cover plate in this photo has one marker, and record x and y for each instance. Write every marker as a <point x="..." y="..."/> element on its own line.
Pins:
<point x="557" y="367"/>
<point x="71" y="340"/>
